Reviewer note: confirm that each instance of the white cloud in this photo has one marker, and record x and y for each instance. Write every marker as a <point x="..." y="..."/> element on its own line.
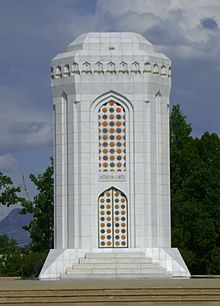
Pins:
<point x="178" y="24"/>
<point x="7" y="163"/>
<point x="22" y="123"/>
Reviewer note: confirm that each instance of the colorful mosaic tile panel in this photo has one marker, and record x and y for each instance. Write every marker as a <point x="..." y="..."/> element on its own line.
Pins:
<point x="112" y="219"/>
<point x="112" y="137"/>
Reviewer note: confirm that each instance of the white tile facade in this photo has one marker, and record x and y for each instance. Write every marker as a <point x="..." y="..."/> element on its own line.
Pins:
<point x="99" y="69"/>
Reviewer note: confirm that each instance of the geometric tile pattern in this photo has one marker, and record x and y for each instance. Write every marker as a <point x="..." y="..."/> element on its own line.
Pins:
<point x="113" y="219"/>
<point x="112" y="137"/>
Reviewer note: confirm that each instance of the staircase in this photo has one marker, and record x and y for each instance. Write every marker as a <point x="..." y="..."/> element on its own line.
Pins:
<point x="120" y="265"/>
<point x="158" y="292"/>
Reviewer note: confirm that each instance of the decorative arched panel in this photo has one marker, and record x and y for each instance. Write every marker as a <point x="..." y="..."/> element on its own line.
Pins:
<point x="113" y="219"/>
<point x="112" y="137"/>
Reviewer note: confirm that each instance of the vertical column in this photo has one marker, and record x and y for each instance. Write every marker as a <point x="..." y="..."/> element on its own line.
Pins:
<point x="55" y="176"/>
<point x="159" y="155"/>
<point x="147" y="174"/>
<point x="77" y="174"/>
<point x="154" y="171"/>
<point x="165" y="238"/>
<point x="70" y="171"/>
<point x="167" y="147"/>
<point x="74" y="173"/>
<point x="64" y="169"/>
<point x="60" y="166"/>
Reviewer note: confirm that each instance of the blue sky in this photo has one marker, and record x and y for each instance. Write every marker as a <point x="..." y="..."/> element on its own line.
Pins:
<point x="32" y="32"/>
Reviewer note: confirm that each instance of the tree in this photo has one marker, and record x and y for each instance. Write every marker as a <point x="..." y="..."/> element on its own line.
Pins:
<point x="8" y="193"/>
<point x="7" y="245"/>
<point x="10" y="263"/>
<point x="195" y="195"/>
<point x="41" y="208"/>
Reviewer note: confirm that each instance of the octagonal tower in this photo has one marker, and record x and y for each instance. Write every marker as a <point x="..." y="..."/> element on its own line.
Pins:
<point x="111" y="153"/>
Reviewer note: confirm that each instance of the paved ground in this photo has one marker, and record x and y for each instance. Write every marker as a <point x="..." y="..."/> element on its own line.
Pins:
<point x="17" y="284"/>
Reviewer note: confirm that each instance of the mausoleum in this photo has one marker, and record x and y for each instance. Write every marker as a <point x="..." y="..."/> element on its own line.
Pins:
<point x="111" y="152"/>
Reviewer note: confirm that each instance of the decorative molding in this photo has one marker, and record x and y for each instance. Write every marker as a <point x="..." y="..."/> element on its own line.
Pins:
<point x="66" y="70"/>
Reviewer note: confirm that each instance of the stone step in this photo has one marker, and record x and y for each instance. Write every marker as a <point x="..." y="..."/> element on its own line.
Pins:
<point x="108" y="275"/>
<point x="119" y="260"/>
<point x="96" y="270"/>
<point x="99" y="293"/>
<point x="115" y="255"/>
<point x="116" y="265"/>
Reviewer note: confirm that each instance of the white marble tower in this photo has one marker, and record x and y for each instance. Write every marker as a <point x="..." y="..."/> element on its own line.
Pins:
<point x="111" y="150"/>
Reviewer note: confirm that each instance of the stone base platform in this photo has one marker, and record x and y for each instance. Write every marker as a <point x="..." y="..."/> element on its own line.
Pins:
<point x="110" y="292"/>
<point x="118" y="265"/>
<point x="114" y="263"/>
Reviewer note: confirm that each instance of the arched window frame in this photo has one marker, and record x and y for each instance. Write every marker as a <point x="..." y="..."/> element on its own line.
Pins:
<point x="75" y="68"/>
<point x="111" y="68"/>
<point x="58" y="72"/>
<point x="66" y="70"/>
<point x="86" y="67"/>
<point x="123" y="67"/>
<point x="112" y="137"/>
<point x="98" y="68"/>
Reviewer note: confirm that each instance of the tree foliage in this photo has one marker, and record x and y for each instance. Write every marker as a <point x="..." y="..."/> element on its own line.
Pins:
<point x="195" y="195"/>
<point x="41" y="208"/>
<point x="8" y="193"/>
<point x="27" y="261"/>
<point x="7" y="245"/>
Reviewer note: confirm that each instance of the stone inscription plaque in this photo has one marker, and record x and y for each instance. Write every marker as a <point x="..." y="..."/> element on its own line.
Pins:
<point x="112" y="177"/>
